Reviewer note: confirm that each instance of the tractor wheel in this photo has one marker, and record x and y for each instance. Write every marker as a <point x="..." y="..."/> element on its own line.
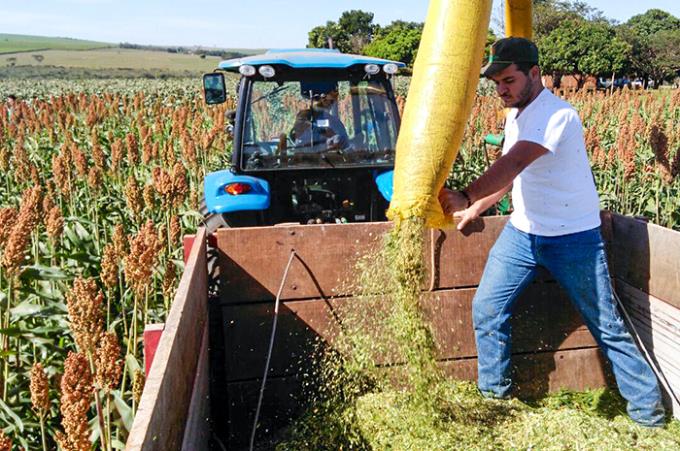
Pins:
<point x="212" y="221"/>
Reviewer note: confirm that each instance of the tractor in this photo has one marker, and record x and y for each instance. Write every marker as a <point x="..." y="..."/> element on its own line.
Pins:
<point x="314" y="135"/>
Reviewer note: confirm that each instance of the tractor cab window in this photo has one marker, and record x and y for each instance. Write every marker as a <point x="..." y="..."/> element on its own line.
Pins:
<point x="318" y="124"/>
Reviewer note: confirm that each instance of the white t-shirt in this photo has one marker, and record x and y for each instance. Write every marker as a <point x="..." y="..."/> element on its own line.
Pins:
<point x="555" y="195"/>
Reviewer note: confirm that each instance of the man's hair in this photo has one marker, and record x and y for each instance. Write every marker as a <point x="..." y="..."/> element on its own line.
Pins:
<point x="525" y="67"/>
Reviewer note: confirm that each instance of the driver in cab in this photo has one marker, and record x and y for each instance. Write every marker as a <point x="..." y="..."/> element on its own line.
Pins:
<point x="320" y="126"/>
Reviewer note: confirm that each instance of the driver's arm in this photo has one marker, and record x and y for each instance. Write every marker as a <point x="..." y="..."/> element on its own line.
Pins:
<point x="340" y="138"/>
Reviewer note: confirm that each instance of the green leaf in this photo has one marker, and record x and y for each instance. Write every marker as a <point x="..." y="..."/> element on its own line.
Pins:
<point x="83" y="257"/>
<point x="11" y="331"/>
<point x="44" y="293"/>
<point x="132" y="365"/>
<point x="73" y="237"/>
<point x="38" y="272"/>
<point x="82" y="231"/>
<point x="17" y="421"/>
<point x="26" y="308"/>
<point x="123" y="409"/>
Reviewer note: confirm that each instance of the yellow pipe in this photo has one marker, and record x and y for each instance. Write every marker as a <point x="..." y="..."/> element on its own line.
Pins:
<point x="445" y="77"/>
<point x="518" y="18"/>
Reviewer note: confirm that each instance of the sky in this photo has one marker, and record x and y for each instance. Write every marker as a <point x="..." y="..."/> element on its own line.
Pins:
<point x="227" y="23"/>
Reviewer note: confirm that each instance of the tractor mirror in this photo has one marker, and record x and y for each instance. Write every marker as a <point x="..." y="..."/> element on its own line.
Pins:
<point x="214" y="88"/>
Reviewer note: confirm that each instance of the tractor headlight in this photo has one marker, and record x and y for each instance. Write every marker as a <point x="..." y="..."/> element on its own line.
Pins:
<point x="372" y="69"/>
<point x="390" y="68"/>
<point x="247" y="70"/>
<point x="267" y="71"/>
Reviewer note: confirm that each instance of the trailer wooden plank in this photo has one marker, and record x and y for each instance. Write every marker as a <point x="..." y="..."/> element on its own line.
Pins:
<point x="163" y="409"/>
<point x="459" y="258"/>
<point x="544" y="320"/>
<point x="540" y="373"/>
<point x="535" y="375"/>
<point x="657" y="324"/>
<point x="252" y="260"/>
<point x="646" y="257"/>
<point x="197" y="429"/>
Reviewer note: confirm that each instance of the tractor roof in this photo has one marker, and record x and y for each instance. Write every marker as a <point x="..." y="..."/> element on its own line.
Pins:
<point x="304" y="59"/>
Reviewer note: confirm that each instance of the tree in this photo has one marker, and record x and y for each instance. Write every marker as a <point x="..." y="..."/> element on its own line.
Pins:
<point x="351" y="33"/>
<point x="581" y="48"/>
<point x="325" y="36"/>
<point x="549" y="14"/>
<point x="653" y="37"/>
<point x="653" y="21"/>
<point x="665" y="45"/>
<point x="398" y="41"/>
<point x="359" y="27"/>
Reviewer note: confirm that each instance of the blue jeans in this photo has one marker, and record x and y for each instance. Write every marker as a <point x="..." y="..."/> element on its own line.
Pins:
<point x="579" y="263"/>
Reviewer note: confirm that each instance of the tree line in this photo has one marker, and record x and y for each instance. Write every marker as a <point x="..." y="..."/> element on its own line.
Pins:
<point x="573" y="39"/>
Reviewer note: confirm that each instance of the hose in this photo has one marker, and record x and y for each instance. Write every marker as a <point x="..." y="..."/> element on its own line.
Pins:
<point x="655" y="368"/>
<point x="271" y="347"/>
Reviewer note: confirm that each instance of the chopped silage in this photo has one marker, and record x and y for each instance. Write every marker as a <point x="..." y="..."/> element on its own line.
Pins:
<point x="357" y="404"/>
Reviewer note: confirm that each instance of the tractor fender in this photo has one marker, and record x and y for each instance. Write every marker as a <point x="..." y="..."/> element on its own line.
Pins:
<point x="385" y="183"/>
<point x="218" y="200"/>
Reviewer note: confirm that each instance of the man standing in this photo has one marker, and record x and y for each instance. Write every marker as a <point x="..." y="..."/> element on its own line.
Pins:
<point x="555" y="224"/>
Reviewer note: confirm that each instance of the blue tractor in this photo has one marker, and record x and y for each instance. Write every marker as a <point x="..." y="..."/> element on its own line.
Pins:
<point x="314" y="137"/>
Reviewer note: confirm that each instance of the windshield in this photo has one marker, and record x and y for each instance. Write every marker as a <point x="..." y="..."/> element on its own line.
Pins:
<point x="315" y="124"/>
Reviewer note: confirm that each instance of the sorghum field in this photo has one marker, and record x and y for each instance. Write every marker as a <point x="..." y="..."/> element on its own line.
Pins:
<point x="100" y="179"/>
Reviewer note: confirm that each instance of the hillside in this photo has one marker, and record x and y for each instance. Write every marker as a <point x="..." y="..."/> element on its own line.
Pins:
<point x="23" y="56"/>
<point x="13" y="43"/>
<point x="113" y="58"/>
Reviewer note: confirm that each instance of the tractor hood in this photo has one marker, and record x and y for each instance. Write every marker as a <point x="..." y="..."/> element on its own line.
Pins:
<point x="304" y="59"/>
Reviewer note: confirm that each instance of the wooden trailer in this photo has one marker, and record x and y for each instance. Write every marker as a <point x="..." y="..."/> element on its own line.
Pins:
<point x="207" y="370"/>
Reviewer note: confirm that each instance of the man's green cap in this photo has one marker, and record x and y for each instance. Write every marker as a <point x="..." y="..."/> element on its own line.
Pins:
<point x="507" y="51"/>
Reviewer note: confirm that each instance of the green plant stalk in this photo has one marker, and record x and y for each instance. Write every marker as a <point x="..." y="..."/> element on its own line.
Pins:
<point x="97" y="241"/>
<point x="134" y="328"/>
<point x="121" y="291"/>
<point x="167" y="232"/>
<point x="42" y="431"/>
<point x="108" y="419"/>
<point x="98" y="404"/>
<point x="657" y="200"/>
<point x="145" y="315"/>
<point x="5" y="342"/>
<point x="108" y="308"/>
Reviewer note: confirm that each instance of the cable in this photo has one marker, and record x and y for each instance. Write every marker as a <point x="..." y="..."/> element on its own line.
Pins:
<point x="271" y="347"/>
<point x="648" y="356"/>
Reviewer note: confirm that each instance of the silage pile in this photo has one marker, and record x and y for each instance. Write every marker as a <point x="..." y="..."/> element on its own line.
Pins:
<point x="380" y="387"/>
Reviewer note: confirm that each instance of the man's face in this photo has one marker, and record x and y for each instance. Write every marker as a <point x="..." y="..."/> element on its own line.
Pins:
<point x="328" y="100"/>
<point x="514" y="86"/>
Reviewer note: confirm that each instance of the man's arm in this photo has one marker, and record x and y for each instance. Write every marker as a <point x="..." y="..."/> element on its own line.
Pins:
<point x="498" y="177"/>
<point x="505" y="169"/>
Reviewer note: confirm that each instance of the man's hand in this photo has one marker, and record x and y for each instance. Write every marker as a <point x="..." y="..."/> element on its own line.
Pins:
<point x="466" y="216"/>
<point x="452" y="201"/>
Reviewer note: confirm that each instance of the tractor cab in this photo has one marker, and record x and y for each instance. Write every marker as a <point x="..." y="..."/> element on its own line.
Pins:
<point x="314" y="139"/>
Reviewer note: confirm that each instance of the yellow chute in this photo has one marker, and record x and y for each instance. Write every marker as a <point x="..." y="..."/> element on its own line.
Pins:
<point x="445" y="78"/>
<point x="518" y="18"/>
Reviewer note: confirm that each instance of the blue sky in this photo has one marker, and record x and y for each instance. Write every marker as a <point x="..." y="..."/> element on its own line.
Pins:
<point x="230" y="23"/>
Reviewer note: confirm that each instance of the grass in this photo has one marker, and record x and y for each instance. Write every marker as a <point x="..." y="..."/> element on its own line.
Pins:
<point x="13" y="43"/>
